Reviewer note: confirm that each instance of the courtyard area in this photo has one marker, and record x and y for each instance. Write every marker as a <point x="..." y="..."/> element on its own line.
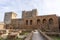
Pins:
<point x="27" y="35"/>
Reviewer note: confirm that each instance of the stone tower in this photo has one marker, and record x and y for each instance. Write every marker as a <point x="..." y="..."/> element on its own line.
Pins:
<point x="28" y="14"/>
<point x="8" y="16"/>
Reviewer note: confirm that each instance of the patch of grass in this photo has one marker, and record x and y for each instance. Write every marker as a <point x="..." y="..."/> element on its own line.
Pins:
<point x="55" y="37"/>
<point x="24" y="33"/>
<point x="13" y="39"/>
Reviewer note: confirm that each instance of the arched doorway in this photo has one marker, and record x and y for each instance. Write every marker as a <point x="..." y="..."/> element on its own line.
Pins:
<point x="44" y="21"/>
<point x="26" y="22"/>
<point x="30" y="22"/>
<point x="38" y="21"/>
<point x="44" y="25"/>
<point x="50" y="21"/>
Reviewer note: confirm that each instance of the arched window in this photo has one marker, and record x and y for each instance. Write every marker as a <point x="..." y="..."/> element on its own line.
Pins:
<point x="30" y="22"/>
<point x="44" y="20"/>
<point x="38" y="21"/>
<point x="50" y="21"/>
<point x="26" y="22"/>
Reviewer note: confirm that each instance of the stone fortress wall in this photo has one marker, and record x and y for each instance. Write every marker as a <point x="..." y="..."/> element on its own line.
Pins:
<point x="30" y="20"/>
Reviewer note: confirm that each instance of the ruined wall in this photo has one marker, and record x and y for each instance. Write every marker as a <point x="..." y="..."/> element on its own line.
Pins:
<point x="30" y="20"/>
<point x="16" y="24"/>
<point x="47" y="23"/>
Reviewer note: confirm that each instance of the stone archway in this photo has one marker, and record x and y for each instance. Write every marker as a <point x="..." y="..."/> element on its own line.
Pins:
<point x="50" y="21"/>
<point x="44" y="21"/>
<point x="38" y="21"/>
<point x="30" y="22"/>
<point x="26" y="22"/>
<point x="44" y="24"/>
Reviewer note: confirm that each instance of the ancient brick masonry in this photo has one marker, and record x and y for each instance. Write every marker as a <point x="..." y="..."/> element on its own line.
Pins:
<point x="30" y="20"/>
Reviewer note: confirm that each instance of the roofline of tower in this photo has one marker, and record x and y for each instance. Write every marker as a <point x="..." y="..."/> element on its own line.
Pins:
<point x="29" y="10"/>
<point x="11" y="12"/>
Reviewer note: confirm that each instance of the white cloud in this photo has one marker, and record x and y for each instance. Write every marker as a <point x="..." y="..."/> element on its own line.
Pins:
<point x="44" y="6"/>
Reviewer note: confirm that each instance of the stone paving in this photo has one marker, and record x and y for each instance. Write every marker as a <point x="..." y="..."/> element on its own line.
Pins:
<point x="37" y="36"/>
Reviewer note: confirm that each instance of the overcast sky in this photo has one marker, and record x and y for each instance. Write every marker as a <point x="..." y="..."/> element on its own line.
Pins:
<point x="44" y="7"/>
